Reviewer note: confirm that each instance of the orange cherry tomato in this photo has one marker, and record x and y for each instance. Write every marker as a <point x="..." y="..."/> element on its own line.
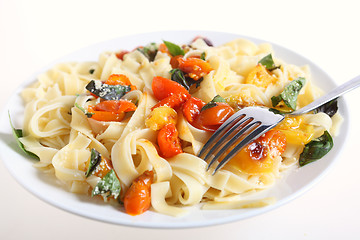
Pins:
<point x="275" y="139"/>
<point x="103" y="168"/>
<point x="111" y="110"/>
<point x="191" y="108"/>
<point x="195" y="67"/>
<point x="106" y="116"/>
<point x="168" y="141"/>
<point x="163" y="87"/>
<point x="174" y="61"/>
<point x="120" y="79"/>
<point x="258" y="156"/>
<point x="115" y="106"/>
<point x="210" y="119"/>
<point x="137" y="198"/>
<point x="163" y="48"/>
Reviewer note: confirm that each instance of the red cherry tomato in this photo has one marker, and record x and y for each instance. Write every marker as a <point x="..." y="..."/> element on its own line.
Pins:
<point x="163" y="87"/>
<point x="210" y="119"/>
<point x="168" y="141"/>
<point x="191" y="108"/>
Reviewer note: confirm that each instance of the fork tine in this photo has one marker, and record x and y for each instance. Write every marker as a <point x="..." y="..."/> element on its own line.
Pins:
<point x="227" y="133"/>
<point x="231" y="142"/>
<point x="220" y="130"/>
<point x="260" y="130"/>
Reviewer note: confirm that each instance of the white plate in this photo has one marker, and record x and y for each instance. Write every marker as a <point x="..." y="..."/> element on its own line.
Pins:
<point x="46" y="188"/>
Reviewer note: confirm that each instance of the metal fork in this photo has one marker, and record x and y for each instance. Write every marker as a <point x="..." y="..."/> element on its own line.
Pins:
<point x="250" y="123"/>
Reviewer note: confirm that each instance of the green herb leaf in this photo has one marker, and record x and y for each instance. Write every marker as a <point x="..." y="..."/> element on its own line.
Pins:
<point x="179" y="76"/>
<point x="91" y="71"/>
<point x="18" y="134"/>
<point x="106" y="91"/>
<point x="95" y="159"/>
<point x="316" y="149"/>
<point x="174" y="49"/>
<point x="202" y="56"/>
<point x="88" y="114"/>
<point x="108" y="186"/>
<point x="213" y="102"/>
<point x="149" y="51"/>
<point x="290" y="93"/>
<point x="330" y="108"/>
<point x="268" y="62"/>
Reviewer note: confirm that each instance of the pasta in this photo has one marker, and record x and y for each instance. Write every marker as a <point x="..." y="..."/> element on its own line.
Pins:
<point x="95" y="124"/>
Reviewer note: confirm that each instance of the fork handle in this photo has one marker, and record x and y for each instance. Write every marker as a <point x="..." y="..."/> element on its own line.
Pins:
<point x="344" y="88"/>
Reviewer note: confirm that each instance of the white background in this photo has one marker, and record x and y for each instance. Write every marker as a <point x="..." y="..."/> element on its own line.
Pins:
<point x="34" y="33"/>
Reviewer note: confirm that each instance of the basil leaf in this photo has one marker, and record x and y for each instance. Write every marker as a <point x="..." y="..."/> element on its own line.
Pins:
<point x="174" y="49"/>
<point x="91" y="71"/>
<point x="268" y="62"/>
<point x="109" y="185"/>
<point x="149" y="51"/>
<point x="18" y="133"/>
<point x="179" y="76"/>
<point x="213" y="102"/>
<point x="95" y="159"/>
<point x="290" y="93"/>
<point x="106" y="91"/>
<point x="316" y="149"/>
<point x="88" y="114"/>
<point x="330" y="108"/>
<point x="202" y="56"/>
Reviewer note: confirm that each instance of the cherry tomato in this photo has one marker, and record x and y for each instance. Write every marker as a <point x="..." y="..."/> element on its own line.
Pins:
<point x="275" y="139"/>
<point x="173" y="101"/>
<point x="191" y="108"/>
<point x="195" y="67"/>
<point x="168" y="141"/>
<point x="137" y="198"/>
<point x="120" y="79"/>
<point x="163" y="48"/>
<point x="163" y="87"/>
<point x="103" y="168"/>
<point x="258" y="156"/>
<point x="106" y="116"/>
<point x="120" y="55"/>
<point x="210" y="119"/>
<point x="174" y="61"/>
<point x="115" y="106"/>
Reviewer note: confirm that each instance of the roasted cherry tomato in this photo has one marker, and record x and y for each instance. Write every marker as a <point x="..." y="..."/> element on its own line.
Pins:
<point x="120" y="79"/>
<point x="120" y="55"/>
<point x="105" y="116"/>
<point x="210" y="119"/>
<point x="111" y="110"/>
<point x="259" y="156"/>
<point x="103" y="168"/>
<point x="196" y="68"/>
<point x="137" y="198"/>
<point x="115" y="106"/>
<point x="163" y="87"/>
<point x="173" y="101"/>
<point x="191" y="108"/>
<point x="168" y="141"/>
<point x="163" y="48"/>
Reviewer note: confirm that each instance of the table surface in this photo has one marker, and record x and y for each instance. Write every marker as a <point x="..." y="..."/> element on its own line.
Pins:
<point x="34" y="33"/>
